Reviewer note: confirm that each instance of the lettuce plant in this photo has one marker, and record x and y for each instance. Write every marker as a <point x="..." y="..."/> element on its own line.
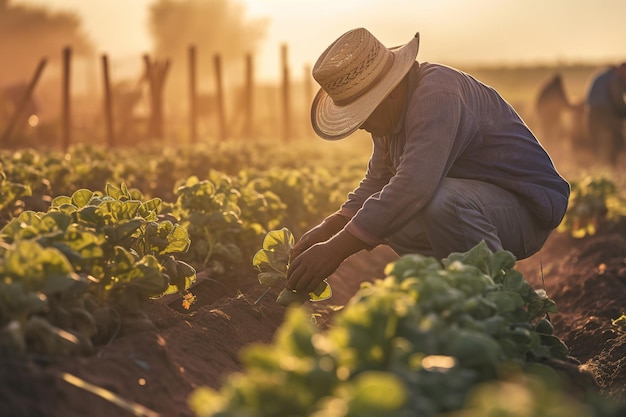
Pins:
<point x="272" y="261"/>
<point x="92" y="255"/>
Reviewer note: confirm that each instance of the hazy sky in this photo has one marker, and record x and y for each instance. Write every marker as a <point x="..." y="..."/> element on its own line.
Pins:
<point x="451" y="31"/>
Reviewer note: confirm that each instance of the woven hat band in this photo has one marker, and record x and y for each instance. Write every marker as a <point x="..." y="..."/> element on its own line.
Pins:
<point x="352" y="65"/>
<point x="367" y="83"/>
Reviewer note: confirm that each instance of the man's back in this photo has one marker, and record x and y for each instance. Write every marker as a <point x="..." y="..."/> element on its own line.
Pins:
<point x="599" y="93"/>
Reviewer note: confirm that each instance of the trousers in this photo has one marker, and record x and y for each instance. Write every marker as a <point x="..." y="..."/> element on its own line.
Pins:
<point x="464" y="212"/>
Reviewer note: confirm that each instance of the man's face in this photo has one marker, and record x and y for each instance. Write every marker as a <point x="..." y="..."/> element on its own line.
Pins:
<point x="385" y="117"/>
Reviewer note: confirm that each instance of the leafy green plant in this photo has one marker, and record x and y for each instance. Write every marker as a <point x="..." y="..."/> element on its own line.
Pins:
<point x="593" y="200"/>
<point x="112" y="244"/>
<point x="10" y="192"/>
<point x="42" y="308"/>
<point x="212" y="217"/>
<point x="111" y="236"/>
<point x="431" y="330"/>
<point x="272" y="260"/>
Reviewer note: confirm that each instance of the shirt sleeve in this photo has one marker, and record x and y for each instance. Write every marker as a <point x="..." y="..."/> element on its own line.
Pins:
<point x="432" y="126"/>
<point x="376" y="176"/>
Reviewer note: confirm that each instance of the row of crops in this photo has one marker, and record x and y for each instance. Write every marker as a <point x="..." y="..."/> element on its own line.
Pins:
<point x="78" y="262"/>
<point x="87" y="237"/>
<point x="465" y="337"/>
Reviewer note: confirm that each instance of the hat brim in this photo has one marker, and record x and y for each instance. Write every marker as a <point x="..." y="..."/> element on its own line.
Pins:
<point x="333" y="122"/>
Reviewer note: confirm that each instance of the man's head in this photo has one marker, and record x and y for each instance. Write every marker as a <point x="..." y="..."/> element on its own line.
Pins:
<point x="387" y="114"/>
<point x="356" y="73"/>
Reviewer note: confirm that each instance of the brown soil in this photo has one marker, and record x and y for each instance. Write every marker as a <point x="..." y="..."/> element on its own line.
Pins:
<point x="155" y="369"/>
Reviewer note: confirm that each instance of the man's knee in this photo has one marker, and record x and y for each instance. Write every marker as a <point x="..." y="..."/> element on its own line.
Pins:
<point x="445" y="203"/>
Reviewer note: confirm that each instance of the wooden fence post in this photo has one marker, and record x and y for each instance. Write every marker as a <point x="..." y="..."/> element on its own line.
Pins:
<point x="308" y="99"/>
<point x="249" y="97"/>
<point x="193" y="96"/>
<point x="108" y="103"/>
<point x="285" y="94"/>
<point x="221" y="116"/>
<point x="19" y="110"/>
<point x="156" y="72"/>
<point x="65" y="97"/>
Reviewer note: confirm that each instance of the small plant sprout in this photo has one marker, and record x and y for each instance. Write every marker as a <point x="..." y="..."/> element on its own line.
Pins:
<point x="272" y="261"/>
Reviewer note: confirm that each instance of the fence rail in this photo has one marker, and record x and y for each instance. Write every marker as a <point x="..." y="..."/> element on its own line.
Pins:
<point x="127" y="114"/>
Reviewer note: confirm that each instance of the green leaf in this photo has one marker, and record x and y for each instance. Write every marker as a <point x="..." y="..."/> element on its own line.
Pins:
<point x="322" y="292"/>
<point x="273" y="263"/>
<point x="150" y="206"/>
<point x="38" y="268"/>
<point x="144" y="277"/>
<point x="507" y="301"/>
<point x="114" y="191"/>
<point x="60" y="201"/>
<point x="270" y="278"/>
<point x="24" y="226"/>
<point x="264" y="261"/>
<point x="130" y="209"/>
<point x="55" y="220"/>
<point x="280" y="241"/>
<point x="275" y="253"/>
<point x="480" y="256"/>
<point x="122" y="259"/>
<point x="412" y="265"/>
<point x="177" y="238"/>
<point x="376" y="393"/>
<point x="125" y="228"/>
<point x="288" y="298"/>
<point x="81" y="197"/>
<point x="182" y="277"/>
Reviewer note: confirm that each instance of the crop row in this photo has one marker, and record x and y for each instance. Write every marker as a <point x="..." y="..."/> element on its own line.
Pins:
<point x="75" y="268"/>
<point x="464" y="337"/>
<point x="80" y="254"/>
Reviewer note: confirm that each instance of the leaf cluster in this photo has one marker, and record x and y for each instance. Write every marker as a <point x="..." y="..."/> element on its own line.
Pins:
<point x="414" y="343"/>
<point x="89" y="253"/>
<point x="594" y="200"/>
<point x="272" y="261"/>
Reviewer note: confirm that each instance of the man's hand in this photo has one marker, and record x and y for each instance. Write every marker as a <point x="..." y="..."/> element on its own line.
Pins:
<point x="320" y="233"/>
<point x="311" y="267"/>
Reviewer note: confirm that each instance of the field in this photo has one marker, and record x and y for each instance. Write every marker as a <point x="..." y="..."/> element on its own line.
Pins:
<point x="153" y="359"/>
<point x="161" y="366"/>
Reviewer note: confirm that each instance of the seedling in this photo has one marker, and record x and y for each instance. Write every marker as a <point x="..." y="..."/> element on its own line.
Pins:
<point x="272" y="262"/>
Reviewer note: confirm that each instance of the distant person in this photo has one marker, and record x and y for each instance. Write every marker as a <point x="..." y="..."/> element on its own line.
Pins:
<point x="551" y="107"/>
<point x="453" y="164"/>
<point x="606" y="111"/>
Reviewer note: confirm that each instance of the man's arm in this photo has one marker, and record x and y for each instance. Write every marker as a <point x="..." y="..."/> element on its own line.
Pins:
<point x="376" y="177"/>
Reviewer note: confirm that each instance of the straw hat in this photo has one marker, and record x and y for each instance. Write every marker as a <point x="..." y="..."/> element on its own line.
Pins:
<point x="356" y="73"/>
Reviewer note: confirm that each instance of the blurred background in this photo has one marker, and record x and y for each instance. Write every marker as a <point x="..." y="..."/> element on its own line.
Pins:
<point x="122" y="73"/>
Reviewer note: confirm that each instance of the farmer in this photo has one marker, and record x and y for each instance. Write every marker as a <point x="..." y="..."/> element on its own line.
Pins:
<point x="606" y="111"/>
<point x="552" y="106"/>
<point x="452" y="163"/>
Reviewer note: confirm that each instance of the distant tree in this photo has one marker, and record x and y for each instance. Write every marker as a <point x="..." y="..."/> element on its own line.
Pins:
<point x="213" y="26"/>
<point x="29" y="33"/>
